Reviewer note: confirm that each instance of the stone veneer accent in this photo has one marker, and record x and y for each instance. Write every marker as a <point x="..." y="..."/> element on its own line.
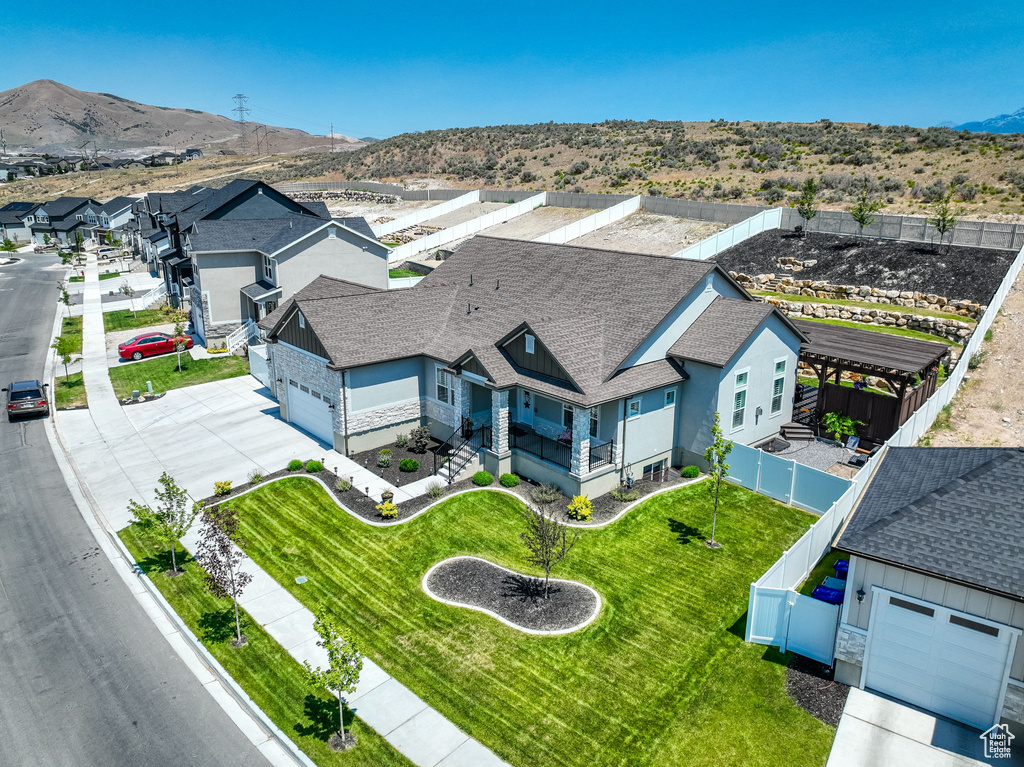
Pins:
<point x="499" y="421"/>
<point x="286" y="363"/>
<point x="439" y="412"/>
<point x="580" y="440"/>
<point x="1013" y="704"/>
<point x="212" y="330"/>
<point x="850" y="646"/>
<point x="382" y="417"/>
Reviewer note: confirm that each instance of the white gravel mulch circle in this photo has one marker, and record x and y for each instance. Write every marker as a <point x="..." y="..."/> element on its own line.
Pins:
<point x="513" y="598"/>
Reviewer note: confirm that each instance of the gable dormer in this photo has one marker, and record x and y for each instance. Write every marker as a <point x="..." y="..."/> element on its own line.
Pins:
<point x="469" y="363"/>
<point x="526" y="351"/>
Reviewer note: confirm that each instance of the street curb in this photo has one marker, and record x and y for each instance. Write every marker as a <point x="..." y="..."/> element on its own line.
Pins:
<point x="239" y="707"/>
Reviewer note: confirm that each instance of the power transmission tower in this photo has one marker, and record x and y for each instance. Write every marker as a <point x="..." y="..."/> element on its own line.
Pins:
<point x="3" y="144"/>
<point x="242" y="111"/>
<point x="332" y="137"/>
<point x="256" y="132"/>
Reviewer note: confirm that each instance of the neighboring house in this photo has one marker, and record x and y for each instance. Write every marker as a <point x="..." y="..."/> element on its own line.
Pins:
<point x="934" y="604"/>
<point x="112" y="216"/>
<point x="576" y="366"/>
<point x="60" y="219"/>
<point x="12" y="221"/>
<point x="11" y="172"/>
<point x="192" y="154"/>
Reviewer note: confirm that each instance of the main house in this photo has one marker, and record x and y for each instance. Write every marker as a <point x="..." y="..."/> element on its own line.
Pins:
<point x="934" y="604"/>
<point x="578" y="366"/>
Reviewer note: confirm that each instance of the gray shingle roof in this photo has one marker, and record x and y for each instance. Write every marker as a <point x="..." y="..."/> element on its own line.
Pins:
<point x="117" y="204"/>
<point x="264" y="235"/>
<point x="212" y="200"/>
<point x="13" y="213"/>
<point x="62" y="206"/>
<point x="258" y="289"/>
<point x="954" y="512"/>
<point x="719" y="332"/>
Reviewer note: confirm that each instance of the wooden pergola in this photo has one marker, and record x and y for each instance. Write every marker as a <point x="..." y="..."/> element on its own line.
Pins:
<point x="832" y="350"/>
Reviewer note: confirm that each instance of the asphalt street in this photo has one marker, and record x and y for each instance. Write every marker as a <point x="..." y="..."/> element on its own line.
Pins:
<point x="85" y="677"/>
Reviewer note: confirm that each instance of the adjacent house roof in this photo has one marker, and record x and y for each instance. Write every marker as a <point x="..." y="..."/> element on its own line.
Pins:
<point x="62" y="206"/>
<point x="263" y="235"/>
<point x="589" y="308"/>
<point x="13" y="213"/>
<point x="207" y="203"/>
<point x="720" y="331"/>
<point x="117" y="205"/>
<point x="955" y="512"/>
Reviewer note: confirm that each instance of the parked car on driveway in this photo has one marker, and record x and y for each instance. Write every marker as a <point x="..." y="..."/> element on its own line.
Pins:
<point x="148" y="344"/>
<point x="25" y="398"/>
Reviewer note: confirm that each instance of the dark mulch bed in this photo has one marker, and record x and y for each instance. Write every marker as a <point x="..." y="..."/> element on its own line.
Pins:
<point x="605" y="507"/>
<point x="517" y="598"/>
<point x="972" y="273"/>
<point x="393" y="474"/>
<point x="354" y="499"/>
<point x="811" y="686"/>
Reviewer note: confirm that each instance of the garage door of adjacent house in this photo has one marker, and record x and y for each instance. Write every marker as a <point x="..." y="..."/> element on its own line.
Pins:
<point x="310" y="410"/>
<point x="936" y="658"/>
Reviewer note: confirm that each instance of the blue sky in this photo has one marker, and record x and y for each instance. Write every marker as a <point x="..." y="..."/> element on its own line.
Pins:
<point x="387" y="68"/>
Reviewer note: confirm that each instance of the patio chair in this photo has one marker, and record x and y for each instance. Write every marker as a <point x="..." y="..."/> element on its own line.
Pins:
<point x="825" y="594"/>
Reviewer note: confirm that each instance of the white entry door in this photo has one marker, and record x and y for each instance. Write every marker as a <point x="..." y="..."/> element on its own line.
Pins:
<point x="939" y="659"/>
<point x="310" y="410"/>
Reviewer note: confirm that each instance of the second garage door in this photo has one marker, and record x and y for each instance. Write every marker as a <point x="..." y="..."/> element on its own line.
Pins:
<point x="938" y="659"/>
<point x="310" y="410"/>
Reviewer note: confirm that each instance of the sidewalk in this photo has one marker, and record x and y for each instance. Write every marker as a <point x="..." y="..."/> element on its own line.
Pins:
<point x="107" y="444"/>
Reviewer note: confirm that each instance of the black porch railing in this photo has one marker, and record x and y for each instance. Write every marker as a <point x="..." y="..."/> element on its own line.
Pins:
<point x="458" y="450"/>
<point x="552" y="450"/>
<point x="600" y="453"/>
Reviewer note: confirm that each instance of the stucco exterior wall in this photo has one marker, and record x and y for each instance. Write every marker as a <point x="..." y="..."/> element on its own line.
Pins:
<point x="344" y="256"/>
<point x="385" y="385"/>
<point x="221" y="276"/>
<point x="650" y="433"/>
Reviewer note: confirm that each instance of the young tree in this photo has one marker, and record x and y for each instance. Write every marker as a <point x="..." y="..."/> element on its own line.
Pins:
<point x="8" y="245"/>
<point x="718" y="470"/>
<point x="127" y="290"/>
<point x="865" y="207"/>
<point x="344" y="662"/>
<point x="547" y="540"/>
<point x="220" y="554"/>
<point x="65" y="297"/>
<point x="807" y="202"/>
<point x="79" y="240"/>
<point x="179" y="340"/>
<point x="946" y="217"/>
<point x="172" y="517"/>
<point x="62" y="345"/>
<point x="46" y="239"/>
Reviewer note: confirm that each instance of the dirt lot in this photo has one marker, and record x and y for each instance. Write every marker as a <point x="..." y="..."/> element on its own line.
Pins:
<point x="990" y="408"/>
<point x="971" y="273"/>
<point x="644" y="232"/>
<point x="531" y="225"/>
<point x="372" y="211"/>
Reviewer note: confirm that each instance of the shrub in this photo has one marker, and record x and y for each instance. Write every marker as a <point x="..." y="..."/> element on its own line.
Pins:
<point x="222" y="488"/>
<point x="580" y="507"/>
<point x="545" y="494"/>
<point x="408" y="464"/>
<point x="256" y="476"/>
<point x="402" y="440"/>
<point x="508" y="480"/>
<point x="295" y="465"/>
<point x="342" y="485"/>
<point x="388" y="510"/>
<point x="420" y="439"/>
<point x="624" y="494"/>
<point x="314" y="466"/>
<point x="976" y="359"/>
<point x="483" y="478"/>
<point x="384" y="458"/>
<point x="435" y="490"/>
<point x="689" y="472"/>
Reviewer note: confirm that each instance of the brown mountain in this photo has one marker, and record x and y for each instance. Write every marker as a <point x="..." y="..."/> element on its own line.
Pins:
<point x="44" y="115"/>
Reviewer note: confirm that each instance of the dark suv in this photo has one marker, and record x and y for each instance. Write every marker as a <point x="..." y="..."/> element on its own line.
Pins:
<point x="25" y="398"/>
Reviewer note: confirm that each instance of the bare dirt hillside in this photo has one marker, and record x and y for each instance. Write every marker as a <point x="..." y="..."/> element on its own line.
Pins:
<point x="906" y="168"/>
<point x="46" y="116"/>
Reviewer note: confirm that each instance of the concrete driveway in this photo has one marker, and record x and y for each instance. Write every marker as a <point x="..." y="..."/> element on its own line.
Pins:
<point x="876" y="730"/>
<point x="199" y="435"/>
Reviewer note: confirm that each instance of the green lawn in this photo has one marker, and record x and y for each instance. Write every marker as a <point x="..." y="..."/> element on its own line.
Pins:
<point x="826" y="567"/>
<point x="125" y="319"/>
<point x="391" y="244"/>
<point x="893" y="331"/>
<point x="865" y="305"/>
<point x="662" y="677"/>
<point x="69" y="393"/>
<point x="403" y="273"/>
<point x="110" y="275"/>
<point x="71" y="327"/>
<point x="163" y="372"/>
<point x="76" y="279"/>
<point x="264" y="669"/>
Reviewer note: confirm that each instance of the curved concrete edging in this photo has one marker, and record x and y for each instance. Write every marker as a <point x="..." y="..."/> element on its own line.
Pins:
<point x="516" y="626"/>
<point x="428" y="507"/>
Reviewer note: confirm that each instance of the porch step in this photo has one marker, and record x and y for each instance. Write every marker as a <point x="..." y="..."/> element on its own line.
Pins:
<point x="796" y="431"/>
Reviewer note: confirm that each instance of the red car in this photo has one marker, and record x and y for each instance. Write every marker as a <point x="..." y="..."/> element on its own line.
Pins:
<point x="148" y="344"/>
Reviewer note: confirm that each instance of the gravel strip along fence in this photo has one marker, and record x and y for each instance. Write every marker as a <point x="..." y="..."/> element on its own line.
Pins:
<point x="511" y="597"/>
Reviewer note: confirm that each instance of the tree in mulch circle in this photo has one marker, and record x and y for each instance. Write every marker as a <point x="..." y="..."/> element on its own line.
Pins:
<point x="220" y="554"/>
<point x="171" y="519"/>
<point x="547" y="540"/>
<point x="718" y="470"/>
<point x="344" y="662"/>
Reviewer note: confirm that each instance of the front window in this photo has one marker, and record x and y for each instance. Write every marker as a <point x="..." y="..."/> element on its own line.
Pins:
<point x="778" y="386"/>
<point x="567" y="414"/>
<point x="445" y="387"/>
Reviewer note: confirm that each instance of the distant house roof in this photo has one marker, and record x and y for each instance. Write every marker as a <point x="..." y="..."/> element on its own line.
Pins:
<point x="954" y="512"/>
<point x="13" y="213"/>
<point x="117" y="204"/>
<point x="62" y="206"/>
<point x="208" y="203"/>
<point x="720" y="331"/>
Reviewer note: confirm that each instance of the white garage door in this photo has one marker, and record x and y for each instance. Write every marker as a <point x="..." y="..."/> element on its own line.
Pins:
<point x="938" y="659"/>
<point x="310" y="410"/>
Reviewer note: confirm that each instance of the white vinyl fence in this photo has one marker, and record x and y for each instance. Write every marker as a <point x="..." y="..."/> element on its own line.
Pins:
<point x="712" y="246"/>
<point x="591" y="223"/>
<point x="467" y="228"/>
<point x="773" y="596"/>
<point x="425" y="214"/>
<point x="403" y="282"/>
